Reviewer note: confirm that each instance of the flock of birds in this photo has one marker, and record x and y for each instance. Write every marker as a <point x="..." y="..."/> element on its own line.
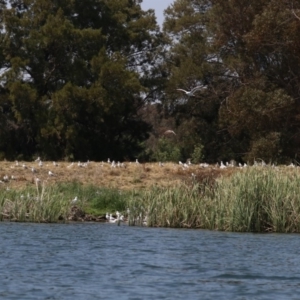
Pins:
<point x="118" y="218"/>
<point x="39" y="165"/>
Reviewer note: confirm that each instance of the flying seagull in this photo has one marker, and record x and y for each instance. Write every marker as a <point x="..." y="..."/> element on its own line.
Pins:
<point x="169" y="132"/>
<point x="193" y="91"/>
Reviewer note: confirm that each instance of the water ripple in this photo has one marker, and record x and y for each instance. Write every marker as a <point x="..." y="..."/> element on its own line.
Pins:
<point x="96" y="261"/>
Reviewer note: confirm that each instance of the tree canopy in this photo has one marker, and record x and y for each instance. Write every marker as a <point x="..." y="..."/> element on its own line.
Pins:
<point x="98" y="78"/>
<point x="74" y="75"/>
<point x="247" y="54"/>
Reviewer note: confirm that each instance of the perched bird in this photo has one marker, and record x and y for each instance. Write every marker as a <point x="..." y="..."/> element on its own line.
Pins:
<point x="74" y="200"/>
<point x="193" y="91"/>
<point x="37" y="180"/>
<point x="51" y="173"/>
<point x="71" y="165"/>
<point x="222" y="166"/>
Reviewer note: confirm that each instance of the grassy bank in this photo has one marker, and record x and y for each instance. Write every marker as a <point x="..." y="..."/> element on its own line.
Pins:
<point x="59" y="203"/>
<point x="253" y="199"/>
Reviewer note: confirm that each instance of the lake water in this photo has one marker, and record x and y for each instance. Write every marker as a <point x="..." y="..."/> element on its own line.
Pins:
<point x="105" y="261"/>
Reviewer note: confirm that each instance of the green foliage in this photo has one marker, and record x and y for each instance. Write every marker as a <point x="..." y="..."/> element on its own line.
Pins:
<point x="166" y="151"/>
<point x="72" y="77"/>
<point x="258" y="199"/>
<point x="80" y="73"/>
<point x="197" y="154"/>
<point x="251" y="71"/>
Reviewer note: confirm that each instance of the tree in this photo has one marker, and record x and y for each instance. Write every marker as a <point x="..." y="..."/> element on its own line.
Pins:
<point x="246" y="53"/>
<point x="73" y="82"/>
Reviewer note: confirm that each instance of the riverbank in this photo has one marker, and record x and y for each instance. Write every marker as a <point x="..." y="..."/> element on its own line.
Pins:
<point x="254" y="199"/>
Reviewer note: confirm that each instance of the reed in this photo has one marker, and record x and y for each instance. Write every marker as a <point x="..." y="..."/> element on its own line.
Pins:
<point x="39" y="204"/>
<point x="261" y="199"/>
<point x="53" y="203"/>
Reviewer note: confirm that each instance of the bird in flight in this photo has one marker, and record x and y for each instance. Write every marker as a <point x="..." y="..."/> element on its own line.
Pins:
<point x="169" y="132"/>
<point x="193" y="91"/>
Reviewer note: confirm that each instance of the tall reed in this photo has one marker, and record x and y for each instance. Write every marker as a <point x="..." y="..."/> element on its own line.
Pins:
<point x="259" y="199"/>
<point x="39" y="204"/>
<point x="53" y="203"/>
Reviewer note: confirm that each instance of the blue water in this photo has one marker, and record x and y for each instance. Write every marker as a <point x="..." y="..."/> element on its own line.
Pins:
<point x="105" y="261"/>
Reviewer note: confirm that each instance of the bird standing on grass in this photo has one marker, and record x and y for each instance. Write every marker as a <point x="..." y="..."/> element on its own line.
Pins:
<point x="74" y="200"/>
<point x="50" y="173"/>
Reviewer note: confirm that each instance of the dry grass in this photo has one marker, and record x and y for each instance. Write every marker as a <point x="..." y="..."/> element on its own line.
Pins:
<point x="101" y="174"/>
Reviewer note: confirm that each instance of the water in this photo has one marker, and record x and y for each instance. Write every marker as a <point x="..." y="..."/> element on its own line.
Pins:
<point x="105" y="261"/>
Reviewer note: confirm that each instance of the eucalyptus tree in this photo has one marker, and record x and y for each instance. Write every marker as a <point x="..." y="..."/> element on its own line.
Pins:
<point x="77" y="73"/>
<point x="247" y="54"/>
<point x="191" y="63"/>
<point x="258" y="43"/>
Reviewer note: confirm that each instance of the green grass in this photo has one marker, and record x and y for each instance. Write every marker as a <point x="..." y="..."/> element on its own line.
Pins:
<point x="53" y="203"/>
<point x="254" y="200"/>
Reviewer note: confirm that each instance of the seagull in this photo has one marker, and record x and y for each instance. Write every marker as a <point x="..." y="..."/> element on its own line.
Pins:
<point x="112" y="219"/>
<point x="169" y="132"/>
<point x="193" y="91"/>
<point x="74" y="200"/>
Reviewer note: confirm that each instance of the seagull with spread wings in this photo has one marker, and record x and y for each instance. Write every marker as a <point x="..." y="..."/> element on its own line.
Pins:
<point x="193" y="91"/>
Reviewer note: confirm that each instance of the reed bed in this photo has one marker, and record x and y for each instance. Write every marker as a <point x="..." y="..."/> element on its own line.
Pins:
<point x="258" y="199"/>
<point x="54" y="203"/>
<point x="39" y="204"/>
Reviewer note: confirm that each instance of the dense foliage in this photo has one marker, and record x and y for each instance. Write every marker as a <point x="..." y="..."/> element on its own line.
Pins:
<point x="74" y="75"/>
<point x="98" y="78"/>
<point x="247" y="54"/>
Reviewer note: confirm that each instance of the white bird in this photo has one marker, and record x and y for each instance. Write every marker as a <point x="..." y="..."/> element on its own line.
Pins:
<point x="74" y="200"/>
<point x="169" y="132"/>
<point x="193" y="91"/>
<point x="222" y="166"/>
<point x="112" y="219"/>
<point x="51" y="173"/>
